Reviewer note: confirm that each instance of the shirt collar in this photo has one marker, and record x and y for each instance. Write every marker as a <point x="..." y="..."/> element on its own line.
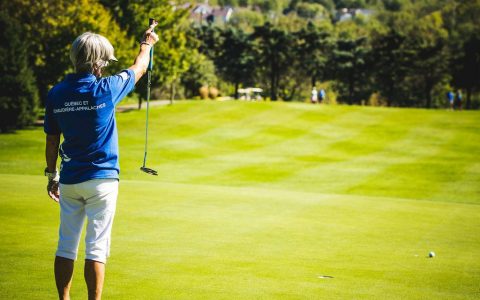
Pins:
<point x="82" y="77"/>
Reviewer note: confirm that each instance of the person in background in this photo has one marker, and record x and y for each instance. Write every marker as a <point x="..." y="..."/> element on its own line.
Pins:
<point x="459" y="99"/>
<point x="451" y="99"/>
<point x="314" y="95"/>
<point x="322" y="96"/>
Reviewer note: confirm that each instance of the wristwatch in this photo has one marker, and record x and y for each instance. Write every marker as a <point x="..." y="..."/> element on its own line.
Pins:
<point x="51" y="175"/>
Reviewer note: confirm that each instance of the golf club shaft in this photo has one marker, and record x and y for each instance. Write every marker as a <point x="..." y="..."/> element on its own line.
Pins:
<point x="149" y="82"/>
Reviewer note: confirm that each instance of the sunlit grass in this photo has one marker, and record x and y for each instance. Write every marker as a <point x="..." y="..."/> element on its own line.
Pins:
<point x="259" y="200"/>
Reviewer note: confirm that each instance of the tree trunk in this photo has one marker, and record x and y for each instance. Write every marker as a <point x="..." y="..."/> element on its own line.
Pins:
<point x="277" y="84"/>
<point x="236" y="90"/>
<point x="43" y="92"/>
<point x="428" y="96"/>
<point x="172" y="91"/>
<point x="351" y="87"/>
<point x="468" y="104"/>
<point x="292" y="94"/>
<point x="391" y="93"/>
<point x="273" y="79"/>
<point x="273" y="90"/>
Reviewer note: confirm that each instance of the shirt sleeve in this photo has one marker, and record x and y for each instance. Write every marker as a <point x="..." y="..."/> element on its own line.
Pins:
<point x="50" y="124"/>
<point x="121" y="85"/>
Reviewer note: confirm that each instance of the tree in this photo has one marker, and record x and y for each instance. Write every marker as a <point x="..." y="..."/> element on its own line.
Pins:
<point x="350" y="63"/>
<point x="391" y="59"/>
<point x="228" y="3"/>
<point x="246" y="20"/>
<point x="350" y="3"/>
<point x="18" y="92"/>
<point x="314" y="45"/>
<point x="466" y="67"/>
<point x="270" y="5"/>
<point x="209" y="40"/>
<point x="235" y="61"/>
<point x="170" y="54"/>
<point x="462" y="22"/>
<point x="275" y="54"/>
<point x="328" y="4"/>
<point x="395" y="5"/>
<point x="200" y="73"/>
<point x="410" y="55"/>
<point x="311" y="11"/>
<point x="429" y="41"/>
<point x="51" y="34"/>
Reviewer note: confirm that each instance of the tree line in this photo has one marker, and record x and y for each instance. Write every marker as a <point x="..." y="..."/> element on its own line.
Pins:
<point x="407" y="56"/>
<point x="406" y="53"/>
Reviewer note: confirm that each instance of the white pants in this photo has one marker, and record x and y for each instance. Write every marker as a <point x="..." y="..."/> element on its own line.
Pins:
<point x="95" y="199"/>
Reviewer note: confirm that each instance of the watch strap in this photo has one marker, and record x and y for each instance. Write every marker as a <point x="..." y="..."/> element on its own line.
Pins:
<point x="52" y="175"/>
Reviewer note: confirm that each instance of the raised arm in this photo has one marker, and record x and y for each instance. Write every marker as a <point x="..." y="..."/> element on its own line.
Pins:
<point x="142" y="60"/>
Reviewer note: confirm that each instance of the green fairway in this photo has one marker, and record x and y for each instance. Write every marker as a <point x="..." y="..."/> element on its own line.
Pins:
<point x="260" y="200"/>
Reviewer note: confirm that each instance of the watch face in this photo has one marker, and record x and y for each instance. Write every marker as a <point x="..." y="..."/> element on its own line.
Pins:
<point x="48" y="173"/>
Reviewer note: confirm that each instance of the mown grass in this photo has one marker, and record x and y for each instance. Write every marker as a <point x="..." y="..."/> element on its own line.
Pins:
<point x="259" y="200"/>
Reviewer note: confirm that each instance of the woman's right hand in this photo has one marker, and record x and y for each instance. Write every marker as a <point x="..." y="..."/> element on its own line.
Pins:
<point x="151" y="37"/>
<point x="143" y="58"/>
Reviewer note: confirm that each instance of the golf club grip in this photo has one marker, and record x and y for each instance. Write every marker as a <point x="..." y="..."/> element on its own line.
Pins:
<point x="150" y="64"/>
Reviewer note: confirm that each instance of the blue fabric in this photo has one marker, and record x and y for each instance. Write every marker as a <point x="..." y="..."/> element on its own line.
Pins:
<point x="82" y="108"/>
<point x="322" y="94"/>
<point x="450" y="96"/>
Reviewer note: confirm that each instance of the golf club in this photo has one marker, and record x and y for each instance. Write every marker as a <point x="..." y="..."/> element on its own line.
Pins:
<point x="149" y="81"/>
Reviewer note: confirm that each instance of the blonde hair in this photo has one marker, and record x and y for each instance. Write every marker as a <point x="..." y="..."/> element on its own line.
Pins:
<point x="90" y="51"/>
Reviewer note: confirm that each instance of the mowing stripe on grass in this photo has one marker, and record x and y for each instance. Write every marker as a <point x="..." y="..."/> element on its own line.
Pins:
<point x="257" y="200"/>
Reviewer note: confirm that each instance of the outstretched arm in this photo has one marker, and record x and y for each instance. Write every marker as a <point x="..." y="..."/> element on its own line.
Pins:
<point x="142" y="60"/>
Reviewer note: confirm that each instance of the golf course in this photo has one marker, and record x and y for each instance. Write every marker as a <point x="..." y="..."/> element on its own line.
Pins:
<point x="266" y="200"/>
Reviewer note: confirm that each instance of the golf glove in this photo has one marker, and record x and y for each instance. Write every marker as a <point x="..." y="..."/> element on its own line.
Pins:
<point x="53" y="183"/>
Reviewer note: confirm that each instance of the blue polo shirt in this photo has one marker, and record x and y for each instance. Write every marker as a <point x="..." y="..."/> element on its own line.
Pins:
<point x="82" y="108"/>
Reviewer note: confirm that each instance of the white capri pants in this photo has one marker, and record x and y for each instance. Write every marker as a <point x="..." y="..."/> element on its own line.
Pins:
<point x="95" y="199"/>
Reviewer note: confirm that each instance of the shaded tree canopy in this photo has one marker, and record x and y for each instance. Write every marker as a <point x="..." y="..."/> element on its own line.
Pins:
<point x="18" y="92"/>
<point x="407" y="52"/>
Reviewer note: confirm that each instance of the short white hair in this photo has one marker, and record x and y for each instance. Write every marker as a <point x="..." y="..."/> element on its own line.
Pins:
<point x="89" y="51"/>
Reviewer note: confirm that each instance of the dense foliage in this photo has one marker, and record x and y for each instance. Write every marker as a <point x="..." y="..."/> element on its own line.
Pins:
<point x="18" y="93"/>
<point x="405" y="52"/>
<point x="402" y="52"/>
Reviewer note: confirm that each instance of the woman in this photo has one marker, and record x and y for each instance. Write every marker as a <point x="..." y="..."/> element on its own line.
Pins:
<point x="82" y="108"/>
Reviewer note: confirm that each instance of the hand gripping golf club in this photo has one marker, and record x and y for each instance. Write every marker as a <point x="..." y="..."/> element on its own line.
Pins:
<point x="149" y="81"/>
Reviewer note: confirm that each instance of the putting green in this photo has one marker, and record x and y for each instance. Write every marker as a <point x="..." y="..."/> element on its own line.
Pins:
<point x="259" y="201"/>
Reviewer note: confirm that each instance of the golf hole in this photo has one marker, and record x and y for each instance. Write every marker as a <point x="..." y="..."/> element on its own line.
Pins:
<point x="325" y="277"/>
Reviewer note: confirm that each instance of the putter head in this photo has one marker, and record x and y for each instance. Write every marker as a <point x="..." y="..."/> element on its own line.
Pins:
<point x="149" y="171"/>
